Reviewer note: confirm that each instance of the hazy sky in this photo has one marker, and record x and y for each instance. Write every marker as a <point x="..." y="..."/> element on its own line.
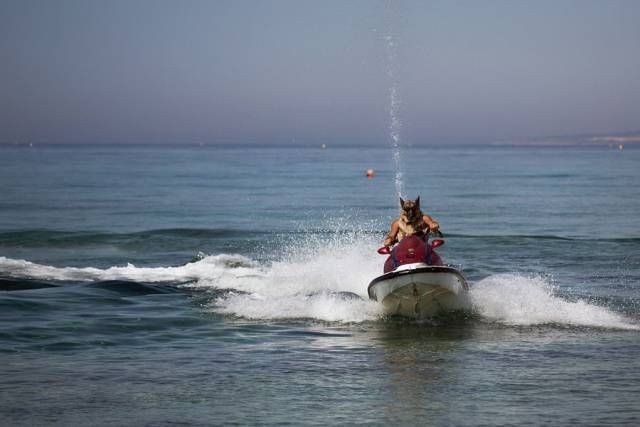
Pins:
<point x="314" y="72"/>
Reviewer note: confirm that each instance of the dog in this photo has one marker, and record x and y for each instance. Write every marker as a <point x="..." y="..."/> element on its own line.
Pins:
<point x="411" y="219"/>
<point x="412" y="222"/>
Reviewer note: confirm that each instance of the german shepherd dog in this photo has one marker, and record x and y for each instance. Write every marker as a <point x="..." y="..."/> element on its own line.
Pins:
<point x="410" y="221"/>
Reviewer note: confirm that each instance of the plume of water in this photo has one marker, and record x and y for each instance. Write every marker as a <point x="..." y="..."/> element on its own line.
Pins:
<point x="395" y="124"/>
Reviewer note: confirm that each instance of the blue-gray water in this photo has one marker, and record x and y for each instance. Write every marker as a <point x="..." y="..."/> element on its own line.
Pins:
<point x="212" y="285"/>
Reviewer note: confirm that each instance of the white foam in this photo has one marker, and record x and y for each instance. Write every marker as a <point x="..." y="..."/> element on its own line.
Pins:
<point x="207" y="267"/>
<point x="310" y="282"/>
<point x="515" y="299"/>
<point x="323" y="306"/>
<point x="316" y="280"/>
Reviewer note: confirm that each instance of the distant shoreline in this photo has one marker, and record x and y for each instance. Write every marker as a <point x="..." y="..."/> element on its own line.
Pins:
<point x="581" y="140"/>
<point x="620" y="140"/>
<point x="338" y="146"/>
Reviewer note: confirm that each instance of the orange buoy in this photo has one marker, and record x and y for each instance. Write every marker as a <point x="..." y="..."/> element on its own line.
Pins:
<point x="370" y="173"/>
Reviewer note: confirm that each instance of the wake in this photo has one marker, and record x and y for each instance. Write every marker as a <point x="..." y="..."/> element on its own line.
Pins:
<point x="327" y="281"/>
<point x="514" y="299"/>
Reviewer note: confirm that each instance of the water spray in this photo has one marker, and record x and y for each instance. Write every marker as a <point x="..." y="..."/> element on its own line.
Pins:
<point x="395" y="124"/>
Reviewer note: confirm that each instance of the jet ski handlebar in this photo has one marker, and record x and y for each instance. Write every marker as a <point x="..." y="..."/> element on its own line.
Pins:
<point x="436" y="233"/>
<point x="386" y="250"/>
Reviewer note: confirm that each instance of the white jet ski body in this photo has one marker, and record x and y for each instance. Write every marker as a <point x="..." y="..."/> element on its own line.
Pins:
<point x="419" y="290"/>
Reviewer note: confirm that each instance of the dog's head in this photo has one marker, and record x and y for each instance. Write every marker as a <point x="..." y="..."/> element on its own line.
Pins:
<point x="410" y="208"/>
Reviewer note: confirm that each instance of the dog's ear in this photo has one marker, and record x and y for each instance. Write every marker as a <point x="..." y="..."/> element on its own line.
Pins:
<point x="401" y="203"/>
<point x="418" y="202"/>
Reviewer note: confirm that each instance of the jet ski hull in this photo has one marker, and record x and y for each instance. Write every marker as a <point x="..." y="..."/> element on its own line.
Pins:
<point x="419" y="290"/>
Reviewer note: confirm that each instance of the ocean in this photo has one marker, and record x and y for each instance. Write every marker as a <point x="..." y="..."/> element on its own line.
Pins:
<point x="214" y="285"/>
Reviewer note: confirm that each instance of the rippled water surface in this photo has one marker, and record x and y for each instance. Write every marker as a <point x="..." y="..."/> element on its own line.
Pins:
<point x="217" y="285"/>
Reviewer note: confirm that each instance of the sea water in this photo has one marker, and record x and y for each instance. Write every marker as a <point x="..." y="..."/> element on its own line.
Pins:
<point x="200" y="285"/>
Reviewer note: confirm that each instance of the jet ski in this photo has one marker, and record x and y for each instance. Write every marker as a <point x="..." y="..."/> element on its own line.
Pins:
<point x="415" y="282"/>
